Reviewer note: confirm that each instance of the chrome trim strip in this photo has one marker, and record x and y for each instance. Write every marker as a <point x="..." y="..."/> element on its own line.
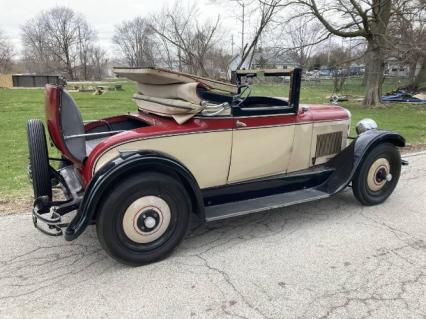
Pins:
<point x="93" y="134"/>
<point x="277" y="125"/>
<point x="246" y="116"/>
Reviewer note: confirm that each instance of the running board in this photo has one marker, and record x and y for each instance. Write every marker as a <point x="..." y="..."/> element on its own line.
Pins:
<point x="259" y="204"/>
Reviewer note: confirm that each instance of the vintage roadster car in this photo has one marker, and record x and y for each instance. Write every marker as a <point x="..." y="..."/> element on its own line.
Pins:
<point x="197" y="146"/>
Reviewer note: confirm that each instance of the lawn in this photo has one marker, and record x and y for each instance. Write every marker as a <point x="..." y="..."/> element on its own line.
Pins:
<point x="19" y="105"/>
<point x="408" y="119"/>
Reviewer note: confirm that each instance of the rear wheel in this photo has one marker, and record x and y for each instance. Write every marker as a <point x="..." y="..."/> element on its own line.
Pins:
<point x="378" y="175"/>
<point x="143" y="218"/>
<point x="38" y="167"/>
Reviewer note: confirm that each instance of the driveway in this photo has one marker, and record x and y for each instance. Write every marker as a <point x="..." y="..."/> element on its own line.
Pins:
<point x="326" y="259"/>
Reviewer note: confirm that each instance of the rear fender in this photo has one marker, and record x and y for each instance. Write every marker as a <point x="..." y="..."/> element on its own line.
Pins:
<point x="128" y="163"/>
<point x="346" y="163"/>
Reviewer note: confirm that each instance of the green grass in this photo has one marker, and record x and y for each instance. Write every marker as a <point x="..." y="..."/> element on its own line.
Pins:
<point x="19" y="105"/>
<point x="407" y="119"/>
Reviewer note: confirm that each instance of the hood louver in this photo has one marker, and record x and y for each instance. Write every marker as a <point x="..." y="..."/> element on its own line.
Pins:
<point x="328" y="144"/>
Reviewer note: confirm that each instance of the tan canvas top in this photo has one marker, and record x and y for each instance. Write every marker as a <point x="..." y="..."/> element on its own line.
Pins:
<point x="185" y="91"/>
<point x="159" y="76"/>
<point x="172" y="94"/>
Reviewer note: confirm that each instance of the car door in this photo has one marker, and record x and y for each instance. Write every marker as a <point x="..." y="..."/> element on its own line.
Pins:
<point x="262" y="143"/>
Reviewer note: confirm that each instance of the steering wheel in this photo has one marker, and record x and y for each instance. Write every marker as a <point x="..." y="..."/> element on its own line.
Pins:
<point x="237" y="99"/>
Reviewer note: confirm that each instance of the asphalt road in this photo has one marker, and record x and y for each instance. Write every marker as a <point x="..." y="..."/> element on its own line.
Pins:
<point x="327" y="259"/>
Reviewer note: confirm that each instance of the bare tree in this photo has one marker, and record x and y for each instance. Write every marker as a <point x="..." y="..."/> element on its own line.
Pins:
<point x="218" y="62"/>
<point x="421" y="76"/>
<point x="61" y="27"/>
<point x="266" y="9"/>
<point x="408" y="39"/>
<point x="134" y="41"/>
<point x="301" y="37"/>
<point x="37" y="56"/>
<point x="6" y="53"/>
<point x="58" y="39"/>
<point x="85" y="42"/>
<point x="185" y="36"/>
<point x="339" y="61"/>
<point x="358" y="18"/>
<point x="98" y="62"/>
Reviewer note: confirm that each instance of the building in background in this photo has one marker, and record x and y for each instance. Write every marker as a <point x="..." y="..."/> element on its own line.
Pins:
<point x="396" y="67"/>
<point x="29" y="80"/>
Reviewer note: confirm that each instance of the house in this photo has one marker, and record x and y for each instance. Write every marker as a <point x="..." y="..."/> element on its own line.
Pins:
<point x="398" y="68"/>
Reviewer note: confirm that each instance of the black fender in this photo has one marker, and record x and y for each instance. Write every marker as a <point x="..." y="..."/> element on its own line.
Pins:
<point x="124" y="164"/>
<point x="346" y="163"/>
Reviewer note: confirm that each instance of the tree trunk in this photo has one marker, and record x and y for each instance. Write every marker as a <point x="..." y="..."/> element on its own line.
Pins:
<point x="342" y="83"/>
<point x="412" y="72"/>
<point x="375" y="58"/>
<point x="179" y="60"/>
<point x="374" y="74"/>
<point x="364" y="77"/>
<point x="421" y="76"/>
<point x="70" y="71"/>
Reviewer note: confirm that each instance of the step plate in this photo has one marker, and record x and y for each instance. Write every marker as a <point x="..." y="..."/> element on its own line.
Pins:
<point x="259" y="204"/>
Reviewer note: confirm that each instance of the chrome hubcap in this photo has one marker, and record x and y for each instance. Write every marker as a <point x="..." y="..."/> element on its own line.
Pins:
<point x="150" y="222"/>
<point x="146" y="219"/>
<point x="378" y="174"/>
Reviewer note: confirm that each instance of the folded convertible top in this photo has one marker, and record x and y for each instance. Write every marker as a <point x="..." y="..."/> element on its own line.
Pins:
<point x="159" y="76"/>
<point x="169" y="93"/>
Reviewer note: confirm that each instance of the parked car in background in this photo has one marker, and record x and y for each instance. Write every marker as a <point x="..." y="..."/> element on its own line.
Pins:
<point x="325" y="72"/>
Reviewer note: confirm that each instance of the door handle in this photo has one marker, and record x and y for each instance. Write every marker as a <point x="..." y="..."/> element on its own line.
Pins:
<point x="241" y="124"/>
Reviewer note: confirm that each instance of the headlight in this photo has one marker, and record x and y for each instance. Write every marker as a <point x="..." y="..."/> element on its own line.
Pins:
<point x="365" y="125"/>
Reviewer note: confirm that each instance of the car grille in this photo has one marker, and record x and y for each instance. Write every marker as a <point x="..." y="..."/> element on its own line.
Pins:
<point x="328" y="144"/>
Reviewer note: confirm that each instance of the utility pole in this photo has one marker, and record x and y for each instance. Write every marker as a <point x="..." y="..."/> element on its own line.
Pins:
<point x="243" y="18"/>
<point x="329" y="51"/>
<point x="243" y="22"/>
<point x="232" y="45"/>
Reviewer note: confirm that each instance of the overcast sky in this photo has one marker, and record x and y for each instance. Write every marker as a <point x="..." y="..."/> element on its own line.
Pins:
<point x="102" y="15"/>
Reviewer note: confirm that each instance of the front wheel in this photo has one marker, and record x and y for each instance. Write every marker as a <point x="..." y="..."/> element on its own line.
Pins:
<point x="378" y="174"/>
<point x="143" y="218"/>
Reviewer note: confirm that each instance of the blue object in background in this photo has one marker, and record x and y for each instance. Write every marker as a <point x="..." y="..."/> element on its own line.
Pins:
<point x="402" y="96"/>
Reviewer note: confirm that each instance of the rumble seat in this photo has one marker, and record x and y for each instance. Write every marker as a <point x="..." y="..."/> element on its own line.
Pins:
<point x="72" y="124"/>
<point x="65" y="125"/>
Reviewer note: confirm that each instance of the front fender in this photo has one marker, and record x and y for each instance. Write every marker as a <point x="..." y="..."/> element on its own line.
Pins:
<point x="346" y="163"/>
<point x="121" y="166"/>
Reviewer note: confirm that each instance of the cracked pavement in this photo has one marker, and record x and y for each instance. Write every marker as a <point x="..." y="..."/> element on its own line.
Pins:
<point x="328" y="259"/>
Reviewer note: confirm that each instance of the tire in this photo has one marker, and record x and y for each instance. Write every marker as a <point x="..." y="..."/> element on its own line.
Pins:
<point x="120" y="223"/>
<point x="38" y="168"/>
<point x="369" y="184"/>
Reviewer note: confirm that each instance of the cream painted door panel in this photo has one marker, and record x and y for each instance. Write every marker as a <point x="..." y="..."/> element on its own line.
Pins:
<point x="260" y="151"/>
<point x="206" y="155"/>
<point x="301" y="153"/>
